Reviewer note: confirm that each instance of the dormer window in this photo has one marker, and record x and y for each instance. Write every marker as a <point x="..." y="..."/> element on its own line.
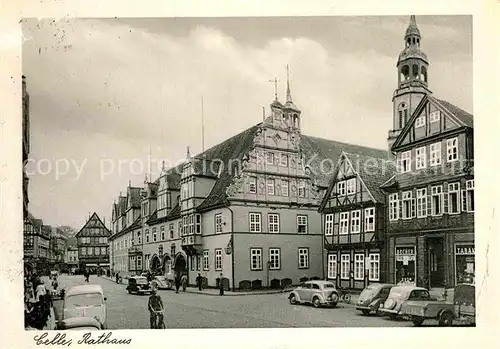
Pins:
<point x="341" y="188"/>
<point x="351" y="186"/>
<point x="420" y="121"/>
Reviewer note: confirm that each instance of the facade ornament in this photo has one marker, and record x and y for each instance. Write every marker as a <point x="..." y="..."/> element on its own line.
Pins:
<point x="236" y="186"/>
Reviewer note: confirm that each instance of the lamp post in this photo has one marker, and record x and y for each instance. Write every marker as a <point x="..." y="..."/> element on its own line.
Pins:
<point x="268" y="270"/>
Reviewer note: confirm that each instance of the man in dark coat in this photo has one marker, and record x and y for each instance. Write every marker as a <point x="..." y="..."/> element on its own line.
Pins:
<point x="221" y="284"/>
<point x="199" y="281"/>
<point x="177" y="282"/>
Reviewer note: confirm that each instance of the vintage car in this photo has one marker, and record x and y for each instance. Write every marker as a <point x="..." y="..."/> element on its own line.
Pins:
<point x="138" y="285"/>
<point x="399" y="295"/>
<point x="85" y="301"/>
<point x="315" y="292"/>
<point x="80" y="324"/>
<point x="462" y="308"/>
<point x="372" y="297"/>
<point x="162" y="282"/>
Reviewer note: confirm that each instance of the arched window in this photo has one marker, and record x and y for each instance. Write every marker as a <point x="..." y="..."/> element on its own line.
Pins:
<point x="402" y="115"/>
<point x="415" y="71"/>
<point x="405" y="72"/>
<point x="408" y="42"/>
<point x="423" y="73"/>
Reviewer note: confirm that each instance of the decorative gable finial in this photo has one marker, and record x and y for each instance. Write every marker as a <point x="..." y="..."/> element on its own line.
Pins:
<point x="188" y="153"/>
<point x="288" y="93"/>
<point x="129" y="183"/>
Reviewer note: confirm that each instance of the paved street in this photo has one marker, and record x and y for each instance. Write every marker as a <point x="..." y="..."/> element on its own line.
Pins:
<point x="189" y="310"/>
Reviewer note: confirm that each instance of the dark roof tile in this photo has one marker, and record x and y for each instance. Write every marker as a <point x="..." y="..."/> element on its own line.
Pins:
<point x="461" y="114"/>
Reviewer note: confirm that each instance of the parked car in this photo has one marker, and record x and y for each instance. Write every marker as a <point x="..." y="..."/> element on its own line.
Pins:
<point x="399" y="295"/>
<point x="462" y="308"/>
<point x="85" y="301"/>
<point x="138" y="285"/>
<point x="162" y="282"/>
<point x="80" y="324"/>
<point x="315" y="292"/>
<point x="372" y="297"/>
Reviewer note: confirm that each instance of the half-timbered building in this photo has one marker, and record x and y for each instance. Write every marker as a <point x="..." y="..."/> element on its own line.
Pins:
<point x="93" y="245"/>
<point x="430" y="201"/>
<point x="352" y="212"/>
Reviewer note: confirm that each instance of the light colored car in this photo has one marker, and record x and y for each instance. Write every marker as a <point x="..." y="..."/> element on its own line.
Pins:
<point x="462" y="308"/>
<point x="85" y="301"/>
<point x="399" y="295"/>
<point x="315" y="292"/>
<point x="373" y="297"/>
<point x="80" y="324"/>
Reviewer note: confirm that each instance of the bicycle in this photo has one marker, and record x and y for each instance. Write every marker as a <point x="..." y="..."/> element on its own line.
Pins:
<point x="159" y="317"/>
<point x="344" y="295"/>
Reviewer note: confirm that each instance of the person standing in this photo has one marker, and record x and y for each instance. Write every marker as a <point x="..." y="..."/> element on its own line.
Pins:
<point x="221" y="285"/>
<point x="177" y="282"/>
<point x="87" y="275"/>
<point x="199" y="281"/>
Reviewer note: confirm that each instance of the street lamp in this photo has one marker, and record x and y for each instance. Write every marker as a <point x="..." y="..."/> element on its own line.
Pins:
<point x="268" y="270"/>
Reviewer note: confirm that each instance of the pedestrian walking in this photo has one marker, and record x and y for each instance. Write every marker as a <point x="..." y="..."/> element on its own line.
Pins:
<point x="221" y="285"/>
<point x="199" y="281"/>
<point x="87" y="276"/>
<point x="177" y="282"/>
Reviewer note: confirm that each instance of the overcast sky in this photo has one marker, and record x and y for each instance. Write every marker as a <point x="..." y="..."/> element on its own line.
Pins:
<point x="105" y="91"/>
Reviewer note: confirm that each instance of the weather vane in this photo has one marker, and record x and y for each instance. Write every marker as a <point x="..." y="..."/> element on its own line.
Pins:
<point x="275" y="81"/>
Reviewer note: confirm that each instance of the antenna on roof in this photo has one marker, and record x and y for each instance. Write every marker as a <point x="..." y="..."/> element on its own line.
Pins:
<point x="202" y="128"/>
<point x="149" y="164"/>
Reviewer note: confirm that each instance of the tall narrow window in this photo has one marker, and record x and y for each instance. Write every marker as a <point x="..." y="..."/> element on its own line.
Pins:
<point x="468" y="196"/>
<point x="329" y="224"/>
<point x="374" y="269"/>
<point x="435" y="154"/>
<point x="206" y="260"/>
<point x="408" y="205"/>
<point x="302" y="224"/>
<point x="454" y="198"/>
<point x="355" y="221"/>
<point x="437" y="200"/>
<point x="303" y="258"/>
<point x="255" y="259"/>
<point x="218" y="259"/>
<point x="452" y="149"/>
<point x="162" y="229"/>
<point x="344" y="223"/>
<point x="345" y="261"/>
<point x="370" y="219"/>
<point x="270" y="186"/>
<point x="393" y="207"/>
<point x="198" y="223"/>
<point x="359" y="266"/>
<point x="218" y="223"/>
<point x="341" y="188"/>
<point x="274" y="259"/>
<point x="270" y="158"/>
<point x="255" y="226"/>
<point x="191" y="224"/>
<point x="302" y="189"/>
<point x="405" y="162"/>
<point x="351" y="186"/>
<point x="147" y="235"/>
<point x="332" y="266"/>
<point x="273" y="220"/>
<point x="422" y="203"/>
<point x="284" y="187"/>
<point x="154" y="235"/>
<point x="252" y="185"/>
<point x="420" y="158"/>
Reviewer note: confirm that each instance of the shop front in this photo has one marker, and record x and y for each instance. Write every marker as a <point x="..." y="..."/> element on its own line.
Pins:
<point x="465" y="265"/>
<point x="405" y="265"/>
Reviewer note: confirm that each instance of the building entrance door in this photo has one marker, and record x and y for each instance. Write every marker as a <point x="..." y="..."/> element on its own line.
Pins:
<point x="435" y="259"/>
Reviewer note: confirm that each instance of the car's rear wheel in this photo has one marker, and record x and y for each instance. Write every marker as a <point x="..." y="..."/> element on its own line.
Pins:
<point x="365" y="311"/>
<point x="417" y="320"/>
<point x="446" y="319"/>
<point x="129" y="292"/>
<point x="293" y="299"/>
<point x="316" y="302"/>
<point x="392" y="316"/>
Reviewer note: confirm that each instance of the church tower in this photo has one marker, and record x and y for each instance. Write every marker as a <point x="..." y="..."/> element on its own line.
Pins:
<point x="412" y="80"/>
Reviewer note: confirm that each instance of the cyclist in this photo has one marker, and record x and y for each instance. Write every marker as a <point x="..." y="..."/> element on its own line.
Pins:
<point x="155" y="307"/>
